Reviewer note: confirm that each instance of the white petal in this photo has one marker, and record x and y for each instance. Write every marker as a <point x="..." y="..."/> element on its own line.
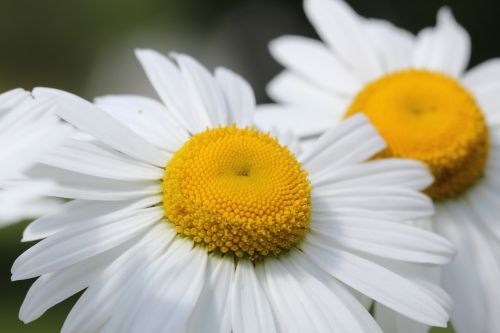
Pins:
<point x="483" y="80"/>
<point x="19" y="109"/>
<point x="80" y="242"/>
<point x="98" y="303"/>
<point x="250" y="308"/>
<point x="428" y="277"/>
<point x="160" y="298"/>
<point x="239" y="97"/>
<point x="212" y="314"/>
<point x="349" y="142"/>
<point x="392" y="322"/>
<point x="484" y="199"/>
<point x="384" y="172"/>
<point x="94" y="159"/>
<point x="494" y="138"/>
<point x="378" y="283"/>
<point x="445" y="48"/>
<point x="169" y="307"/>
<point x="302" y="121"/>
<point x="394" y="45"/>
<point x="24" y="152"/>
<point x="354" y="304"/>
<point x="26" y="133"/>
<point x="81" y="211"/>
<point x="291" y="89"/>
<point x="79" y="186"/>
<point x="52" y="288"/>
<point x="289" y="140"/>
<point x="172" y="88"/>
<point x="205" y="90"/>
<point x="340" y="27"/>
<point x="25" y="200"/>
<point x="310" y="59"/>
<point x="12" y="98"/>
<point x="484" y="74"/>
<point x="472" y="278"/>
<point x="303" y="303"/>
<point x="345" y="294"/>
<point x="388" y="201"/>
<point x="102" y="126"/>
<point x="385" y="239"/>
<point x="149" y="118"/>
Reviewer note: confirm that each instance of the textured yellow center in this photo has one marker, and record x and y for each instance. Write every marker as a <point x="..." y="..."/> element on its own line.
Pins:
<point x="430" y="117"/>
<point x="237" y="190"/>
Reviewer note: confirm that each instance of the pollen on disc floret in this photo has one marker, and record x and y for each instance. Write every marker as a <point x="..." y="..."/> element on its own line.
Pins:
<point x="237" y="190"/>
<point x="430" y="117"/>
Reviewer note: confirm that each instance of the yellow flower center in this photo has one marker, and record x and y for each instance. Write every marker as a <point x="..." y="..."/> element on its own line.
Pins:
<point x="237" y="190"/>
<point x="429" y="117"/>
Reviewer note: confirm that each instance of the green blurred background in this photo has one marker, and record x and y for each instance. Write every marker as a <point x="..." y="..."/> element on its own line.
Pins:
<point x="86" y="47"/>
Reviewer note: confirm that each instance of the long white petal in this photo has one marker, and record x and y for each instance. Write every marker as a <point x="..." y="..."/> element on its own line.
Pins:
<point x="483" y="81"/>
<point x="79" y="186"/>
<point x="483" y="75"/>
<point x="146" y="116"/>
<point x="394" y="45"/>
<point x="344" y="294"/>
<point x="310" y="59"/>
<point x="428" y="277"/>
<point x="98" y="160"/>
<point x="26" y="200"/>
<point x="384" y="172"/>
<point x="341" y="28"/>
<point x="290" y="89"/>
<point x="12" y="98"/>
<point x="472" y="278"/>
<point x="302" y="121"/>
<point x="378" y="283"/>
<point x="239" y="97"/>
<point x="212" y="313"/>
<point x="303" y="303"/>
<point x="84" y="115"/>
<point x="484" y="199"/>
<point x="169" y="307"/>
<point x="391" y="201"/>
<point x="392" y="322"/>
<point x="349" y="142"/>
<point x="52" y="288"/>
<point x="250" y="308"/>
<point x="151" y="304"/>
<point x="385" y="239"/>
<point x="98" y="303"/>
<point x="81" y="211"/>
<point x="80" y="242"/>
<point x="172" y="88"/>
<point x="205" y="91"/>
<point x="445" y="48"/>
<point x="28" y="131"/>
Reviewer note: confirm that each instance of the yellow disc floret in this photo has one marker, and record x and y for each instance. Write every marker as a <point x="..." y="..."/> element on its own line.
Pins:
<point x="430" y="117"/>
<point x="237" y="190"/>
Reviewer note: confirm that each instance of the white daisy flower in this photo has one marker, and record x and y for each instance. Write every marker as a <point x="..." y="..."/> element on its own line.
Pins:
<point x="28" y="129"/>
<point x="416" y="92"/>
<point x="188" y="219"/>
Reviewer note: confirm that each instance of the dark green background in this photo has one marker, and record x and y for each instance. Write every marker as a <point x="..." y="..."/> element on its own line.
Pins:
<point x="86" y="47"/>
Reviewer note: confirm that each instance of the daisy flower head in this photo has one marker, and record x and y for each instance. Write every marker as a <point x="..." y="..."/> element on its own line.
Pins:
<point x="416" y="92"/>
<point x="186" y="218"/>
<point x="28" y="130"/>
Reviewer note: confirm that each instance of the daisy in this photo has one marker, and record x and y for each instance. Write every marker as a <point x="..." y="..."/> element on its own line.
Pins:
<point x="186" y="218"/>
<point x="415" y="90"/>
<point x="28" y="129"/>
